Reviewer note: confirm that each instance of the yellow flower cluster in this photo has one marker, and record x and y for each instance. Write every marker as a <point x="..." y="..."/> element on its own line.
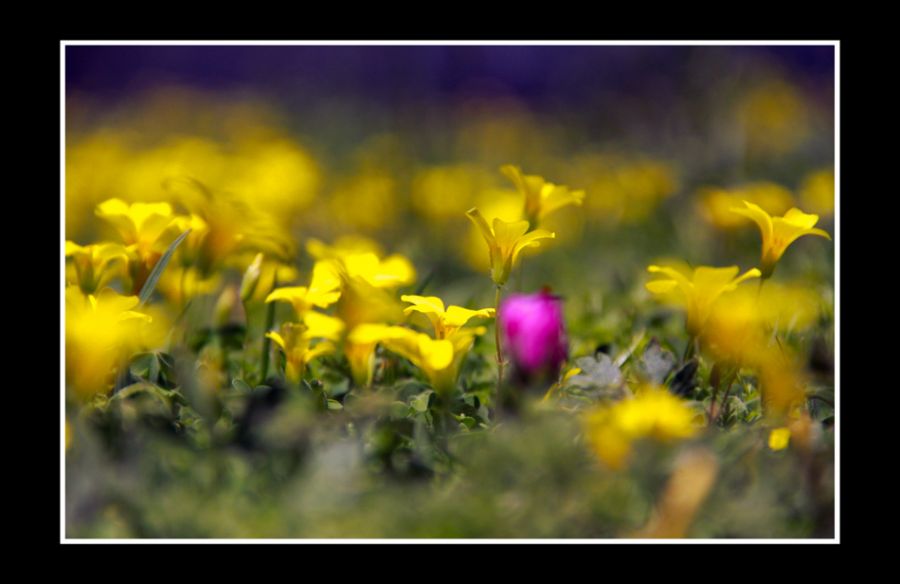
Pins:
<point x="653" y="413"/>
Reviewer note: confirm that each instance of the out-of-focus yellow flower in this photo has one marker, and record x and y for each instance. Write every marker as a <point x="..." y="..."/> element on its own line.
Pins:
<point x="774" y="118"/>
<point x="356" y="258"/>
<point x="443" y="193"/>
<point x="624" y="188"/>
<point x="541" y="197"/>
<point x="817" y="192"/>
<point x="342" y="247"/>
<point x="180" y="284"/>
<point x="445" y="321"/>
<point x="697" y="291"/>
<point x="323" y="291"/>
<point x="296" y="341"/>
<point x="100" y="331"/>
<point x="781" y="383"/>
<point x="139" y="224"/>
<point x="391" y="272"/>
<point x="364" y="280"/>
<point x="96" y="264"/>
<point x="273" y="174"/>
<point x="192" y="246"/>
<point x="303" y="298"/>
<point x="653" y="413"/>
<point x="716" y="203"/>
<point x="740" y="324"/>
<point x="779" y="232"/>
<point x="779" y="438"/>
<point x="505" y="242"/>
<point x="365" y="202"/>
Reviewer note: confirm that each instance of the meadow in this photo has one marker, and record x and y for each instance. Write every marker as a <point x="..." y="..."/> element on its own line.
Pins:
<point x="469" y="317"/>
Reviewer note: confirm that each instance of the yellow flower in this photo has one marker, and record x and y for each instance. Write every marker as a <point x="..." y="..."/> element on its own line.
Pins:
<point x="342" y="247"/>
<point x="624" y="188"/>
<point x="740" y="325"/>
<point x="653" y="413"/>
<point x="774" y="118"/>
<point x="779" y="232"/>
<point x="359" y="348"/>
<point x="698" y="291"/>
<point x="391" y="272"/>
<point x="192" y="246"/>
<point x="296" y="341"/>
<point x="139" y="224"/>
<point x="445" y="322"/>
<point x="505" y="242"/>
<point x="97" y="264"/>
<point x="323" y="291"/>
<point x="541" y="197"/>
<point x="364" y="281"/>
<point x="100" y="331"/>
<point x="443" y="193"/>
<point x="439" y="359"/>
<point x="779" y="438"/>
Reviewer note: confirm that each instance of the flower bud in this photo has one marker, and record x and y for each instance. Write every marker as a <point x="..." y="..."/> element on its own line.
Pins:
<point x="534" y="336"/>
<point x="251" y="278"/>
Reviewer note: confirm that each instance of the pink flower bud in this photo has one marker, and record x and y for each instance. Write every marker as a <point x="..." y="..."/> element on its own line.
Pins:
<point x="534" y="335"/>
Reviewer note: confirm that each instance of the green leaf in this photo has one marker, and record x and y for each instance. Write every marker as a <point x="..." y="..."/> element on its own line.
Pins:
<point x="420" y="402"/>
<point x="334" y="404"/>
<point x="241" y="385"/>
<point x="150" y="284"/>
<point x="655" y="363"/>
<point x="597" y="372"/>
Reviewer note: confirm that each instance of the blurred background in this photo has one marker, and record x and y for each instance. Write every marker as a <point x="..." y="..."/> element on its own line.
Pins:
<point x="397" y="142"/>
<point x="271" y="146"/>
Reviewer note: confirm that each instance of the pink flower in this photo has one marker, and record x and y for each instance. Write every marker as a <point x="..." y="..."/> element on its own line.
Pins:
<point x="534" y="335"/>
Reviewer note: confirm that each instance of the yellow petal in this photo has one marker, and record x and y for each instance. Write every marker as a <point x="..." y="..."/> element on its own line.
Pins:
<point x="425" y="304"/>
<point x="288" y="294"/>
<point x="795" y="216"/>
<point x="556" y="197"/>
<point x="279" y="340"/>
<point x="762" y="219"/>
<point x="507" y="234"/>
<point x="326" y="276"/>
<point x="457" y="316"/>
<point x="394" y="271"/>
<point x="437" y="354"/>
<point x="365" y="334"/>
<point x="320" y="349"/>
<point x="661" y="286"/>
<point x="531" y="239"/>
<point x="751" y="273"/>
<point x="478" y="219"/>
<point x="323" y="326"/>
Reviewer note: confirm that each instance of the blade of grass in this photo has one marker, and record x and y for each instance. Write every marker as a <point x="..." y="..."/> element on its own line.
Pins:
<point x="158" y="269"/>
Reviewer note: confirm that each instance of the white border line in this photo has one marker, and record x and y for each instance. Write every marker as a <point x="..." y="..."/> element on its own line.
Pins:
<point x="837" y="310"/>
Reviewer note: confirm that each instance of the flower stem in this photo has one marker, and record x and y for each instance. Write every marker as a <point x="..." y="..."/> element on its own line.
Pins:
<point x="267" y="343"/>
<point x="727" y="382"/>
<point x="497" y="341"/>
